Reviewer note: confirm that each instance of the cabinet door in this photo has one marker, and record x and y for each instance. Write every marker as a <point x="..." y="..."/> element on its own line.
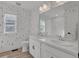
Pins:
<point x="46" y="52"/>
<point x="34" y="48"/>
<point x="51" y="52"/>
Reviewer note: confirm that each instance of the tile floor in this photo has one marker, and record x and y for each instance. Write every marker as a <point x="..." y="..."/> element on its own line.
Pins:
<point x="15" y="54"/>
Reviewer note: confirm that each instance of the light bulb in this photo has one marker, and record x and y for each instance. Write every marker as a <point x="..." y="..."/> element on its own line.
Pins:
<point x="45" y="6"/>
<point x="40" y="8"/>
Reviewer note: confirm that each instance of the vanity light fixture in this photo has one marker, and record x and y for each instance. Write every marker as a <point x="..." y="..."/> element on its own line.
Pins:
<point x="44" y="8"/>
<point x="52" y="4"/>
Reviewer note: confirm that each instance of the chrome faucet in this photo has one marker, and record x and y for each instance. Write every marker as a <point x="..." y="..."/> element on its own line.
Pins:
<point x="61" y="38"/>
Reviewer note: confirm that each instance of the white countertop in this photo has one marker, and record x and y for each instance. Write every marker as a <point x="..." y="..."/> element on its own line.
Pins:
<point x="72" y="49"/>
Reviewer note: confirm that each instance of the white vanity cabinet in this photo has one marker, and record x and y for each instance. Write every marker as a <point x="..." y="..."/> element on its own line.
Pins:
<point x="45" y="53"/>
<point x="39" y="49"/>
<point x="34" y="47"/>
<point x="60" y="21"/>
<point x="50" y="52"/>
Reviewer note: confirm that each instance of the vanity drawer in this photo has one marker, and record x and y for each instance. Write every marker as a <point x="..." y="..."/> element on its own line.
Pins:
<point x="47" y="54"/>
<point x="47" y="51"/>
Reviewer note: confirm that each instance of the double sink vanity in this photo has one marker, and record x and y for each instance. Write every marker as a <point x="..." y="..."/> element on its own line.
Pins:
<point x="43" y="47"/>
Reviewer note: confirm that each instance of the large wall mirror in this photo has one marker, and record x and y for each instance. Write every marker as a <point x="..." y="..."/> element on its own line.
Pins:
<point x="52" y="23"/>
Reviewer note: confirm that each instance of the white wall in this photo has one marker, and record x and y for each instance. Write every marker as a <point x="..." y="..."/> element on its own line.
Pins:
<point x="34" y="28"/>
<point x="55" y="21"/>
<point x="13" y="40"/>
<point x="71" y="19"/>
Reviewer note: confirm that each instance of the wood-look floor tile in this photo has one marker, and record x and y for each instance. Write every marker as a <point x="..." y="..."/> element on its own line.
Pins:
<point x="15" y="54"/>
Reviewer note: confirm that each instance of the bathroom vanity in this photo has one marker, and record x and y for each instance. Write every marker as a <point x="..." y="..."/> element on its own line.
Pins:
<point x="57" y="35"/>
<point x="47" y="48"/>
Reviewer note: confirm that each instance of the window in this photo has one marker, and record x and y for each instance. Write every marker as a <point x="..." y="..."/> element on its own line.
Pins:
<point x="9" y="23"/>
<point x="42" y="25"/>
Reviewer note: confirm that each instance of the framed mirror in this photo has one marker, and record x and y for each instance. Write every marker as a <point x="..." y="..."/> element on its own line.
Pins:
<point x="42" y="25"/>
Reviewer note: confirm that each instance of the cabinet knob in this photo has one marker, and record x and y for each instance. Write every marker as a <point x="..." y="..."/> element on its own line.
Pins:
<point x="33" y="47"/>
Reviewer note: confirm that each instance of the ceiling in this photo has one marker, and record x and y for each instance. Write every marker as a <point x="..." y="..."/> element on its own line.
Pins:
<point x="26" y="4"/>
<point x="30" y="5"/>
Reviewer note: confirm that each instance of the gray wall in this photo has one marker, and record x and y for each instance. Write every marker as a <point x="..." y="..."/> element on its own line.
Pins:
<point x="12" y="41"/>
<point x="34" y="28"/>
<point x="66" y="20"/>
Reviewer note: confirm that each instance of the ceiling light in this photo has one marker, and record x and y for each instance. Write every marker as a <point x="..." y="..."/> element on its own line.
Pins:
<point x="44" y="8"/>
<point x="41" y="9"/>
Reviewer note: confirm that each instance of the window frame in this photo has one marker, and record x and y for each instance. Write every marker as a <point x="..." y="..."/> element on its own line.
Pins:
<point x="15" y="23"/>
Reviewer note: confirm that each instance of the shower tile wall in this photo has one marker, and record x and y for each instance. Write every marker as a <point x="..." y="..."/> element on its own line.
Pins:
<point x="12" y="41"/>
